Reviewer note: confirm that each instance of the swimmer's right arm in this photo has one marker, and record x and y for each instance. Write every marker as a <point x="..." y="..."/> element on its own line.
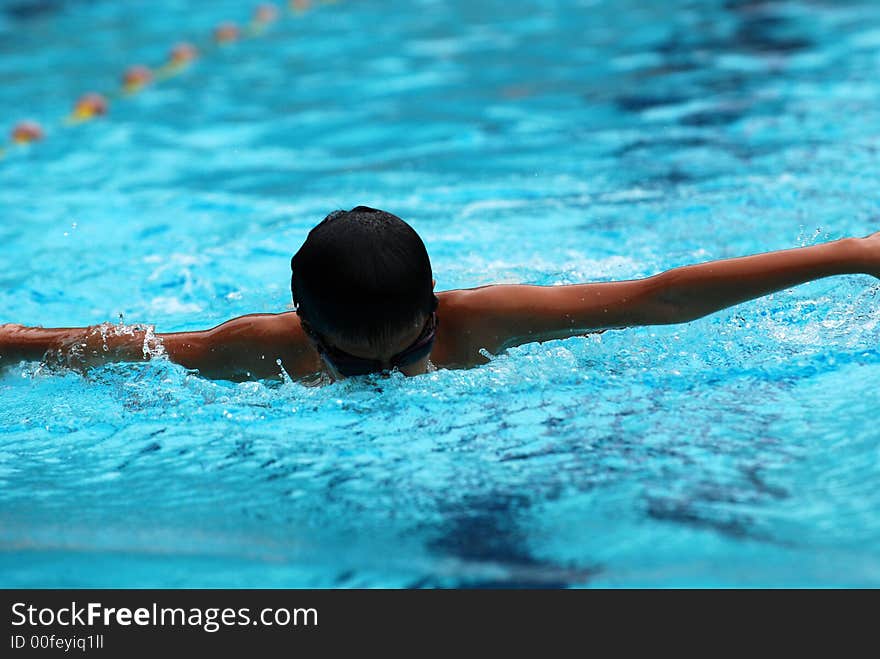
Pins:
<point x="255" y="346"/>
<point x="248" y="347"/>
<point x="19" y="343"/>
<point x="75" y="347"/>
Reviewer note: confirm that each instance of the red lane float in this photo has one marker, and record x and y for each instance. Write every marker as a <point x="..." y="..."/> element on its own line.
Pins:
<point x="88" y="107"/>
<point x="265" y="14"/>
<point x="135" y="78"/>
<point x="226" y="33"/>
<point x="93" y="105"/>
<point x="182" y="53"/>
<point x="26" y="132"/>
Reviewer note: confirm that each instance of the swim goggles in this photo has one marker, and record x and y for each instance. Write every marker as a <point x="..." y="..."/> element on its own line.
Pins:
<point x="351" y="365"/>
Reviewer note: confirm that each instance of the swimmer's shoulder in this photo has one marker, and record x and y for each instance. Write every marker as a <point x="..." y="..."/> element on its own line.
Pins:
<point x="463" y="331"/>
<point x="282" y="336"/>
<point x="260" y="341"/>
<point x="476" y="323"/>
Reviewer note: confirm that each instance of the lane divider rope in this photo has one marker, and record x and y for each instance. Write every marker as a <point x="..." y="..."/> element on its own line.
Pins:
<point x="93" y="105"/>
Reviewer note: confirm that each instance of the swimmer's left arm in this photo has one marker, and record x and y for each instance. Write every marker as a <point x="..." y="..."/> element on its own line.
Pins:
<point x="509" y="315"/>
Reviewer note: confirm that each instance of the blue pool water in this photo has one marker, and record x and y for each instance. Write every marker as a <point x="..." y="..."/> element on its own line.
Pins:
<point x="539" y="141"/>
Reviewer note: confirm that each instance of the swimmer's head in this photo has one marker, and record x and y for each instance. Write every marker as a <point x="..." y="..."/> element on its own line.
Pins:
<point x="362" y="281"/>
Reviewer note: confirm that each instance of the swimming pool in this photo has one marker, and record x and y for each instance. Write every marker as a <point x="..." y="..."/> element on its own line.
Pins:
<point x="538" y="141"/>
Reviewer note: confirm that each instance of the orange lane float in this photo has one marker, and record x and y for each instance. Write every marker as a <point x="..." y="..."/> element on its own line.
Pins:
<point x="92" y="105"/>
<point x="266" y="14"/>
<point x="135" y="78"/>
<point x="26" y="132"/>
<point x="182" y="54"/>
<point x="226" y="33"/>
<point x="179" y="58"/>
<point x="88" y="107"/>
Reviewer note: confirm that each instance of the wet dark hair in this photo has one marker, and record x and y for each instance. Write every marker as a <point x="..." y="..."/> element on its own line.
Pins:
<point x="363" y="275"/>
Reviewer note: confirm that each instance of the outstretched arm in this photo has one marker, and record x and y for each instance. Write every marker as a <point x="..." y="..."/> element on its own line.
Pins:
<point x="20" y="343"/>
<point x="506" y="316"/>
<point x="248" y="347"/>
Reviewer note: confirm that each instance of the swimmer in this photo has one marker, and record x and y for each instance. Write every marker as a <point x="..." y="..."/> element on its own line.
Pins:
<point x="364" y="300"/>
